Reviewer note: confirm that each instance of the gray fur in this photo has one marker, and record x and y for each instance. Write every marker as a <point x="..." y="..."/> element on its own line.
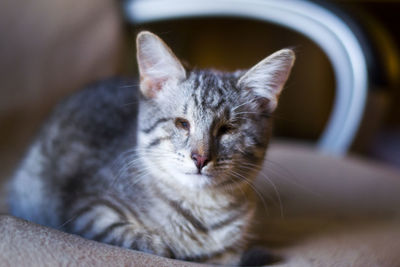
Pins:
<point x="96" y="171"/>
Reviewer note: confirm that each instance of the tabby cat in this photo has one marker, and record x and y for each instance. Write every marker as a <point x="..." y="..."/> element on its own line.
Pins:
<point x="167" y="170"/>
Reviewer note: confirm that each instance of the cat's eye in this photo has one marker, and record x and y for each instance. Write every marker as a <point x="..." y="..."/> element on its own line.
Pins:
<point x="182" y="124"/>
<point x="224" y="129"/>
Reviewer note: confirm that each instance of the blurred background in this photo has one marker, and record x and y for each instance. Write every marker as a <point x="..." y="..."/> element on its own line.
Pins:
<point x="51" y="48"/>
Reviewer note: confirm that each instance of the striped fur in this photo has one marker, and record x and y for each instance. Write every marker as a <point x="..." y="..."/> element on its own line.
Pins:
<point x="119" y="168"/>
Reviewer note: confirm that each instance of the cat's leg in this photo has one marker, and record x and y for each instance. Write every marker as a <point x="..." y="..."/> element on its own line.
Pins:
<point x="106" y="221"/>
<point x="236" y="257"/>
<point x="229" y="258"/>
<point x="134" y="237"/>
<point x="257" y="256"/>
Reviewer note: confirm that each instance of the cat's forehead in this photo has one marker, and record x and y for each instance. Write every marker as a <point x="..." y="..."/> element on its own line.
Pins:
<point x="210" y="93"/>
<point x="210" y="89"/>
<point x="204" y="80"/>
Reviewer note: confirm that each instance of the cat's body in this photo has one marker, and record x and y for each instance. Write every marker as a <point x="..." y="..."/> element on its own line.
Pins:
<point x="174" y="180"/>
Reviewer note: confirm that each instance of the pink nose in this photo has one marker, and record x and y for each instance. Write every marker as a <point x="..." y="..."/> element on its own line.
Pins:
<point x="199" y="160"/>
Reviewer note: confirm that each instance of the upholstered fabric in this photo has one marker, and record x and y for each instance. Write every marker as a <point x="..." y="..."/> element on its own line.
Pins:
<point x="334" y="211"/>
<point x="48" y="49"/>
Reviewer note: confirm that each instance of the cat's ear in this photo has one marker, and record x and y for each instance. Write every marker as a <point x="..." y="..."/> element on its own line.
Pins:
<point x="266" y="79"/>
<point x="157" y="64"/>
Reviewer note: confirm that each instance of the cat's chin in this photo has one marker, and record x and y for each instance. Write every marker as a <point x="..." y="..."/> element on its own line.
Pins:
<point x="194" y="181"/>
<point x="197" y="174"/>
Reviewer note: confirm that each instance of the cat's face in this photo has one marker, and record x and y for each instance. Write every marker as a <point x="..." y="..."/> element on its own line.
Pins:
<point x="205" y="128"/>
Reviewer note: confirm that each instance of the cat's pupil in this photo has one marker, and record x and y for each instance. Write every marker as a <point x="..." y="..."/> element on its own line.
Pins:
<point x="182" y="124"/>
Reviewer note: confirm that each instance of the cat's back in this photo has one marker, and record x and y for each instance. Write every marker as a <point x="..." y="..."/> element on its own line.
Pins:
<point x="96" y="124"/>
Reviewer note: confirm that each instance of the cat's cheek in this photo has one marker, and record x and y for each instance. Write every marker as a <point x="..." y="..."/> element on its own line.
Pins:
<point x="186" y="168"/>
<point x="186" y="174"/>
<point x="177" y="164"/>
<point x="227" y="146"/>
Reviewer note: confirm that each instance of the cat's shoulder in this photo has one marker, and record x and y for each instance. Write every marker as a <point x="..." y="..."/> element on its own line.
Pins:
<point x="104" y="109"/>
<point x="116" y="93"/>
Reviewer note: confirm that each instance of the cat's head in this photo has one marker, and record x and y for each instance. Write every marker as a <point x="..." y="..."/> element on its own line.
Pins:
<point x="202" y="128"/>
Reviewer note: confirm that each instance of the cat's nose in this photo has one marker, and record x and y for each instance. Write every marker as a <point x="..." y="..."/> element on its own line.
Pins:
<point x="200" y="160"/>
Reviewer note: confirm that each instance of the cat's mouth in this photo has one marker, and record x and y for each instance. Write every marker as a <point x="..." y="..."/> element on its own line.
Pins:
<point x="199" y="174"/>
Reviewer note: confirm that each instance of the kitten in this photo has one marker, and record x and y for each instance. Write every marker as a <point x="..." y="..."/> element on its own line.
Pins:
<point x="167" y="172"/>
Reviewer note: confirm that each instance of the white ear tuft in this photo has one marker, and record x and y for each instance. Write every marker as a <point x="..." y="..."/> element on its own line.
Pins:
<point x="157" y="64"/>
<point x="266" y="79"/>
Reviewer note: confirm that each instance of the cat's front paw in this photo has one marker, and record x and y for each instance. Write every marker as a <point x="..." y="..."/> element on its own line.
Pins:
<point x="151" y="243"/>
<point x="257" y="256"/>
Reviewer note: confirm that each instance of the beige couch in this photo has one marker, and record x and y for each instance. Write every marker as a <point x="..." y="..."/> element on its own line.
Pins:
<point x="319" y="210"/>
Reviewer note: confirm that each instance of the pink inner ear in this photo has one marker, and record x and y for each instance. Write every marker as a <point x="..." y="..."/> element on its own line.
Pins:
<point x="153" y="86"/>
<point x="264" y="104"/>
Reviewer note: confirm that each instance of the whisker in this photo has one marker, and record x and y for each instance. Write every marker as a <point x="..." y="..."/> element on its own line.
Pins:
<point x="129" y="85"/>
<point x="290" y="177"/>
<point x="238" y="175"/>
<point x="245" y="103"/>
<point x="267" y="179"/>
